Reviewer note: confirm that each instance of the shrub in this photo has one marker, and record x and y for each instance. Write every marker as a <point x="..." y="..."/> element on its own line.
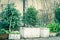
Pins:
<point x="54" y="27"/>
<point x="30" y="16"/>
<point x="3" y="31"/>
<point x="57" y="13"/>
<point x="11" y="16"/>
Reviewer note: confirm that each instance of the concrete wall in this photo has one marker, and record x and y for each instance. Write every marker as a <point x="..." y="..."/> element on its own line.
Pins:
<point x="18" y="4"/>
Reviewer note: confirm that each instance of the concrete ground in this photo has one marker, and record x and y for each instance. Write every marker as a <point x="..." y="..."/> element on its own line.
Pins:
<point x="49" y="38"/>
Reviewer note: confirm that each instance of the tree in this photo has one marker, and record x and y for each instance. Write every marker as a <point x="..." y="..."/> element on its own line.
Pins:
<point x="30" y="16"/>
<point x="11" y="16"/>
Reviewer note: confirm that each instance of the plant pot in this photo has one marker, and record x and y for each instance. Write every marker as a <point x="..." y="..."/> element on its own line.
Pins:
<point x="30" y="32"/>
<point x="53" y="34"/>
<point x="3" y="36"/>
<point x="14" y="36"/>
<point x="44" y="32"/>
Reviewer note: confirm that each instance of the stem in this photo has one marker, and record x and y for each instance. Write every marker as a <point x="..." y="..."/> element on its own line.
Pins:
<point x="10" y="27"/>
<point x="10" y="23"/>
<point x="24" y="10"/>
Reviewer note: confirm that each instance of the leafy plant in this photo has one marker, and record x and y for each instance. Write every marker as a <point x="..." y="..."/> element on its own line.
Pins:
<point x="54" y="27"/>
<point x="11" y="16"/>
<point x="57" y="13"/>
<point x="30" y="16"/>
<point x="4" y="25"/>
<point x="3" y="31"/>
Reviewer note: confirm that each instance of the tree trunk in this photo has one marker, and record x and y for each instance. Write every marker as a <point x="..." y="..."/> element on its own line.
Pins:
<point x="23" y="10"/>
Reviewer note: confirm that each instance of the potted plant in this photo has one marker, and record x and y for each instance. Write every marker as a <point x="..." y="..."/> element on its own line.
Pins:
<point x="12" y="17"/>
<point x="54" y="28"/>
<point x="3" y="34"/>
<point x="30" y="20"/>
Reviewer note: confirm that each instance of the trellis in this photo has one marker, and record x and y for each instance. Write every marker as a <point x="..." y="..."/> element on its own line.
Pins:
<point x="47" y="13"/>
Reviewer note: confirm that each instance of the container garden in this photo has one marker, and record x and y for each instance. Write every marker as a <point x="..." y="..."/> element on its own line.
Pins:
<point x="30" y="21"/>
<point x="44" y="32"/>
<point x="14" y="35"/>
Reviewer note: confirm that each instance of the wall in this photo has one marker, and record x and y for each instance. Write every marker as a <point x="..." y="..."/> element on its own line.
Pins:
<point x="18" y="4"/>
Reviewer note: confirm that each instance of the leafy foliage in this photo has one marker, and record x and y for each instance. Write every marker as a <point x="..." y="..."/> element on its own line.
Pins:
<point x="4" y="25"/>
<point x="57" y="13"/>
<point x="3" y="31"/>
<point x="30" y="16"/>
<point x="11" y="16"/>
<point x="54" y="27"/>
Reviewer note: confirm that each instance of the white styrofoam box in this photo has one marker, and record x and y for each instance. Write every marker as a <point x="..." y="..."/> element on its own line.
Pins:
<point x="36" y="32"/>
<point x="14" y="36"/>
<point x="30" y="32"/>
<point x="45" y="32"/>
<point x="53" y="34"/>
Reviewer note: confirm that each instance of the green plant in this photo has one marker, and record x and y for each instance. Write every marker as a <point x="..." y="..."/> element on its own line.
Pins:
<point x="14" y="32"/>
<point x="11" y="16"/>
<point x="57" y="13"/>
<point x="30" y="16"/>
<point x="54" y="27"/>
<point x="4" y="25"/>
<point x="3" y="31"/>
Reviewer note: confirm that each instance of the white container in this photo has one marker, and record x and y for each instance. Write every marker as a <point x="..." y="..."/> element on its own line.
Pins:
<point x="30" y="32"/>
<point x="45" y="32"/>
<point x="53" y="34"/>
<point x="14" y="36"/>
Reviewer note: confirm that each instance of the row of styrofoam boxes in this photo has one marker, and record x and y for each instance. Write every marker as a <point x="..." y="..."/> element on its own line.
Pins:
<point x="35" y="32"/>
<point x="30" y="33"/>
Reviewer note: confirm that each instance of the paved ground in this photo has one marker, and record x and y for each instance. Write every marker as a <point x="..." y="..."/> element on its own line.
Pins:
<point x="49" y="38"/>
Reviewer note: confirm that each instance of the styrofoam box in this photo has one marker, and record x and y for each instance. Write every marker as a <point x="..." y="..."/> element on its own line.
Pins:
<point x="45" y="32"/>
<point x="14" y="36"/>
<point x="31" y="32"/>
